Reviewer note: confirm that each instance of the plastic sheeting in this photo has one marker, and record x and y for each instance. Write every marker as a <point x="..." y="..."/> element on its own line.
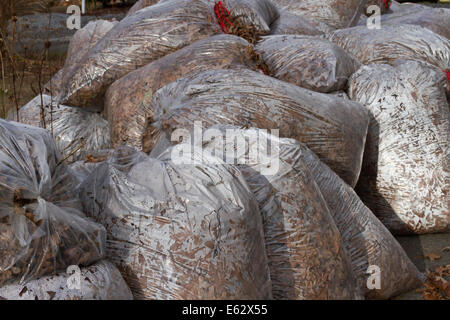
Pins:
<point x="41" y="229"/>
<point x="332" y="127"/>
<point x="372" y="248"/>
<point x="289" y="23"/>
<point x="137" y="40"/>
<point x="406" y="162"/>
<point x="82" y="41"/>
<point x="394" y="42"/>
<point x="127" y="113"/>
<point x="180" y="227"/>
<point x="101" y="281"/>
<point x="305" y="251"/>
<point x="335" y="13"/>
<point x="77" y="132"/>
<point x="308" y="62"/>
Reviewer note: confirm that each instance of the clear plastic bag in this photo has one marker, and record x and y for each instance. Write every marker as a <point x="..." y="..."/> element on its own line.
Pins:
<point x="297" y="195"/>
<point x="406" y="165"/>
<point x="101" y="281"/>
<point x="394" y="42"/>
<point x="406" y="8"/>
<point x="42" y="230"/>
<point x="85" y="39"/>
<point x="307" y="61"/>
<point x="127" y="113"/>
<point x="395" y="9"/>
<point x="305" y="251"/>
<point x="137" y="40"/>
<point x="368" y="242"/>
<point x="180" y="227"/>
<point x="141" y="4"/>
<point x="434" y="19"/>
<point x="289" y="23"/>
<point x="335" y="13"/>
<point x="83" y="168"/>
<point x="384" y="6"/>
<point x="247" y="18"/>
<point x="77" y="132"/>
<point x="82" y="41"/>
<point x="332" y="127"/>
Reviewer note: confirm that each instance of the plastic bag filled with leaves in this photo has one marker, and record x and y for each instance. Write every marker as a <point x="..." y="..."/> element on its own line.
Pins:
<point x="394" y="42"/>
<point x="141" y="4"/>
<point x="334" y="13"/>
<point x="383" y="6"/>
<point x="305" y="251"/>
<point x="82" y="169"/>
<point x="137" y="40"/>
<point x="406" y="164"/>
<point x="406" y="8"/>
<point x="183" y="226"/>
<point x="77" y="132"/>
<point x="275" y="169"/>
<point x="248" y="19"/>
<point x="128" y="100"/>
<point x="82" y="41"/>
<point x="42" y="230"/>
<point x="307" y="61"/>
<point x="434" y="19"/>
<point x="288" y="23"/>
<point x="101" y="281"/>
<point x="373" y="251"/>
<point x="331" y="126"/>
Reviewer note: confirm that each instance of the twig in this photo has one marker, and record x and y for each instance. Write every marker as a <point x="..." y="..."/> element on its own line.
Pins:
<point x="82" y="144"/>
<point x="3" y="86"/>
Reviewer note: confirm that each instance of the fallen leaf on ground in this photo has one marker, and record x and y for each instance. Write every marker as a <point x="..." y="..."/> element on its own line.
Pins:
<point x="436" y="287"/>
<point x="432" y="256"/>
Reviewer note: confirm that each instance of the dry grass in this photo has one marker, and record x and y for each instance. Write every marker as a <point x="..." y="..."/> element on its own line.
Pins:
<point x="21" y="76"/>
<point x="28" y="74"/>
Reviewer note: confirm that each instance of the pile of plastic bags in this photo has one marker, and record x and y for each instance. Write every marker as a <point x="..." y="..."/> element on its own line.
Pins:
<point x="180" y="231"/>
<point x="42" y="228"/>
<point x="219" y="149"/>
<point x="406" y="166"/>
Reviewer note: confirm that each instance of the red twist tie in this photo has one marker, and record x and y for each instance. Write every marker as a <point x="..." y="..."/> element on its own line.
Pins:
<point x="386" y="3"/>
<point x="222" y="15"/>
<point x="262" y="70"/>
